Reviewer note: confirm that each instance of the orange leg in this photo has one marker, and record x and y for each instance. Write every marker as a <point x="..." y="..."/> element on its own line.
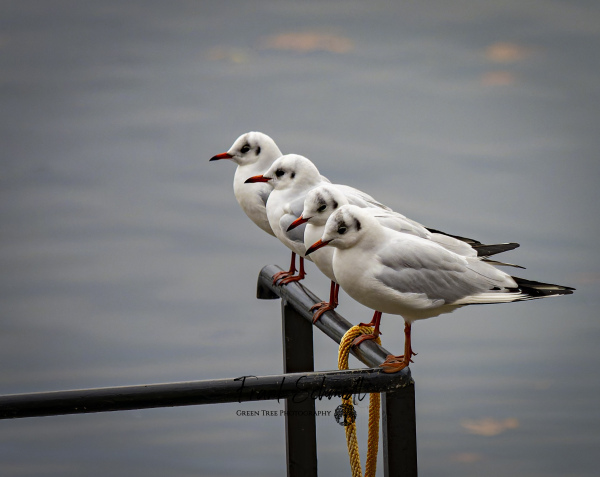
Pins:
<point x="288" y="273"/>
<point x="295" y="278"/>
<point x="374" y="322"/>
<point x="324" y="306"/>
<point x="393" y="364"/>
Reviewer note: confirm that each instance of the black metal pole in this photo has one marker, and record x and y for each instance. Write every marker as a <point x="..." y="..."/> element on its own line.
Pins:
<point x="300" y="423"/>
<point x="399" y="432"/>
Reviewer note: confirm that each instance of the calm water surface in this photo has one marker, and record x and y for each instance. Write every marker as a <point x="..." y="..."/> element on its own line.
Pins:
<point x="126" y="260"/>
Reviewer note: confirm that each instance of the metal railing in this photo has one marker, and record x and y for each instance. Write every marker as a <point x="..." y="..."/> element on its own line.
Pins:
<point x="300" y="385"/>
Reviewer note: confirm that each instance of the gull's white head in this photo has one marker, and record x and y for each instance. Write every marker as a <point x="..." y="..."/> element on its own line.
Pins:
<point x="251" y="148"/>
<point x="290" y="171"/>
<point x="321" y="202"/>
<point x="346" y="227"/>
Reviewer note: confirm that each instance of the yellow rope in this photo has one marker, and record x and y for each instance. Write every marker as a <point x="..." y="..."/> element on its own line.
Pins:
<point x="373" y="439"/>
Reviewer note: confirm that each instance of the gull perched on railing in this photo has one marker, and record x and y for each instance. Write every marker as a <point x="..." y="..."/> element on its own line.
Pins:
<point x="291" y="177"/>
<point x="403" y="274"/>
<point x="324" y="200"/>
<point x="253" y="152"/>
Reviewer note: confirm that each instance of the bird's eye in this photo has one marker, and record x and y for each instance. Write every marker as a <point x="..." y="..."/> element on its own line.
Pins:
<point x="342" y="229"/>
<point x="322" y="208"/>
<point x="245" y="148"/>
<point x="279" y="172"/>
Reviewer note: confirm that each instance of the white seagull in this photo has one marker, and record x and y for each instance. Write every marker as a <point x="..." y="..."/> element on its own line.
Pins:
<point x="291" y="177"/>
<point x="253" y="152"/>
<point x="403" y="274"/>
<point x="324" y="200"/>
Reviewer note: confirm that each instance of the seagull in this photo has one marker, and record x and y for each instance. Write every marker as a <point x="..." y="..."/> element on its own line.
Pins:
<point x="253" y="152"/>
<point x="291" y="177"/>
<point x="324" y="200"/>
<point x="403" y="274"/>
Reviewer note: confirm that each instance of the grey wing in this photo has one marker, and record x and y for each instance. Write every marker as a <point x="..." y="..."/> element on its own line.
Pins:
<point x="297" y="234"/>
<point x="400" y="223"/>
<point x="264" y="194"/>
<point x="428" y="269"/>
<point x="295" y="207"/>
<point x="360" y="198"/>
<point x="293" y="210"/>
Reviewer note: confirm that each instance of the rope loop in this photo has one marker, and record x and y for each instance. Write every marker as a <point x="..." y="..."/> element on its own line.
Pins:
<point x="347" y="406"/>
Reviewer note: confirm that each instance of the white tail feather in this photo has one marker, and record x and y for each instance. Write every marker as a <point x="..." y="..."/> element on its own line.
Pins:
<point x="491" y="298"/>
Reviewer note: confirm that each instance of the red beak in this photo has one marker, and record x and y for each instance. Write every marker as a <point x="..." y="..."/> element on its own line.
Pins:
<point x="257" y="179"/>
<point x="299" y="221"/>
<point x="224" y="155"/>
<point x="316" y="246"/>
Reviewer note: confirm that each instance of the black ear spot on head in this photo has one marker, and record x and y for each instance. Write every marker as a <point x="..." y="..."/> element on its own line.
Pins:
<point x="258" y="150"/>
<point x="293" y="175"/>
<point x="357" y="224"/>
<point x="335" y="204"/>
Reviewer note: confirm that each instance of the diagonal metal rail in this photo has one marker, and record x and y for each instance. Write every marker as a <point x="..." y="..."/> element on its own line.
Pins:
<point x="331" y="323"/>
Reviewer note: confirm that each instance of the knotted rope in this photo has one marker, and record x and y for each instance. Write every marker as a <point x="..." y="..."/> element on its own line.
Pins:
<point x="374" y="403"/>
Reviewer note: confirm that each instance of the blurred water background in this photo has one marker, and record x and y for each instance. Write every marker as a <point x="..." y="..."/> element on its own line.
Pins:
<point x="126" y="260"/>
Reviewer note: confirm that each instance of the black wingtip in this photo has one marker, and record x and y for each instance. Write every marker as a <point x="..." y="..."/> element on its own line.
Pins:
<point x="457" y="237"/>
<point x="538" y="289"/>
<point x="501" y="264"/>
<point x="486" y="250"/>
